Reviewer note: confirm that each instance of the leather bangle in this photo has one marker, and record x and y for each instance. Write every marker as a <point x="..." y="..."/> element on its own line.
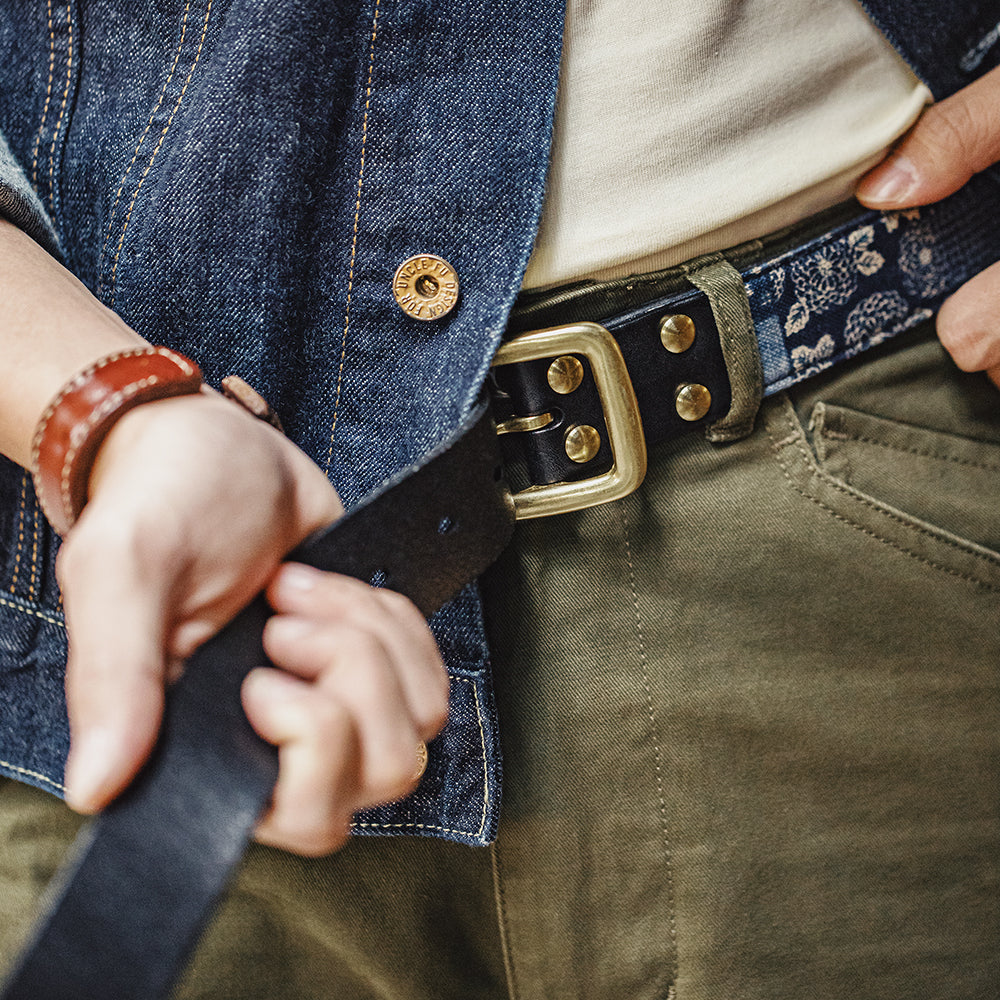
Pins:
<point x="76" y="422"/>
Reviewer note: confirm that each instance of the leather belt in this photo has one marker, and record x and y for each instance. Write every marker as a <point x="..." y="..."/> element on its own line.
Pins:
<point x="129" y="903"/>
<point x="141" y="879"/>
<point x="645" y="359"/>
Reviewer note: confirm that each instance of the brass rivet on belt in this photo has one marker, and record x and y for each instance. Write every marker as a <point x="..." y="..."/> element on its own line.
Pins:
<point x="677" y="333"/>
<point x="692" y="401"/>
<point x="582" y="443"/>
<point x="565" y="374"/>
<point x="425" y="287"/>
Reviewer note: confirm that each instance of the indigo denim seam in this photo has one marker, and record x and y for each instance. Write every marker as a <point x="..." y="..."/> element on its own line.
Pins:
<point x="36" y="148"/>
<point x="20" y="534"/>
<point x="816" y="474"/>
<point x="138" y="147"/>
<point x="33" y="579"/>
<point x="58" y="131"/>
<point x="24" y="772"/>
<point x="36" y="514"/>
<point x="34" y="612"/>
<point x="156" y="150"/>
<point x="354" y="238"/>
<point x="486" y="783"/>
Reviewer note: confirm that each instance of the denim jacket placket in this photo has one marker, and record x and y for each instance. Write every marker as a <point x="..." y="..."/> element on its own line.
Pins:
<point x="240" y="181"/>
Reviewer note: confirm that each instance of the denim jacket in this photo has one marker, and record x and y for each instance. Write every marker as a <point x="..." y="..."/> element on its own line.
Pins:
<point x="240" y="180"/>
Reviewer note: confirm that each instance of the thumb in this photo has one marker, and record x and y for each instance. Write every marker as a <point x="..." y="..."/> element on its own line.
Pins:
<point x="952" y="141"/>
<point x="114" y="673"/>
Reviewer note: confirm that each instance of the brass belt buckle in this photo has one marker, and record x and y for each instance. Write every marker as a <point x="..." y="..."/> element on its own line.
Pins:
<point x="621" y="414"/>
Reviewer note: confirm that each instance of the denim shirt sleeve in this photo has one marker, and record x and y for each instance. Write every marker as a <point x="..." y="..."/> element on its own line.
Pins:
<point x="19" y="203"/>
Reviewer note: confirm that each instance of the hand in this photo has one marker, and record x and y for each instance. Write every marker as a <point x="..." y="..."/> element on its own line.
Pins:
<point x="193" y="505"/>
<point x="952" y="141"/>
<point x="362" y="685"/>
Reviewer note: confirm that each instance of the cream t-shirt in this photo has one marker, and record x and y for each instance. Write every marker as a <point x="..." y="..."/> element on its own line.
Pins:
<point x="686" y="126"/>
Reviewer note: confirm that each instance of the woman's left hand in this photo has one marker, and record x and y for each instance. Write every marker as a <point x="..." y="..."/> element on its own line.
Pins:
<point x="953" y="140"/>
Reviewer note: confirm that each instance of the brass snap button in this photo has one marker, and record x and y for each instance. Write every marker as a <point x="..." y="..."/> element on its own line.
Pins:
<point x="421" y="761"/>
<point x="425" y="287"/>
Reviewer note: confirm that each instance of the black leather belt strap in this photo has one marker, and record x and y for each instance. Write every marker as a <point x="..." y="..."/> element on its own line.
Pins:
<point x="141" y="880"/>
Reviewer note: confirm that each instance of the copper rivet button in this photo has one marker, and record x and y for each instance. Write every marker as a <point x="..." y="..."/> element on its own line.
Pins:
<point x="582" y="443"/>
<point x="425" y="287"/>
<point x="565" y="374"/>
<point x="677" y="333"/>
<point x="692" y="401"/>
<point x="421" y="760"/>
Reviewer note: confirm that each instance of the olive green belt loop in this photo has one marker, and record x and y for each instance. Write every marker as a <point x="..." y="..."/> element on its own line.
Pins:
<point x="721" y="282"/>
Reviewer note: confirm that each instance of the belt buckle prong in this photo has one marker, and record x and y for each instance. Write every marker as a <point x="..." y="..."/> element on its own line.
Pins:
<point x="621" y="415"/>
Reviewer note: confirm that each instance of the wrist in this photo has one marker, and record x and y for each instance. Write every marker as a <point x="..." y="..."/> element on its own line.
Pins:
<point x="174" y="437"/>
<point x="74" y="425"/>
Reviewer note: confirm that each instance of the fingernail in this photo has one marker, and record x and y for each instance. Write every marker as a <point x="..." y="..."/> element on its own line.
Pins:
<point x="890" y="183"/>
<point x="88" y="768"/>
<point x="298" y="578"/>
<point x="272" y="685"/>
<point x="287" y="628"/>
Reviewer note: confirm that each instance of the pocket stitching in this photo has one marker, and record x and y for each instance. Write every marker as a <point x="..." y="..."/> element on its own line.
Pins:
<point x="795" y="437"/>
<point x="920" y="453"/>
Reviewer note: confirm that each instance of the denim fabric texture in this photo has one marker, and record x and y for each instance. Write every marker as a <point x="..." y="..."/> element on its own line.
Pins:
<point x="240" y="180"/>
<point x="20" y="204"/>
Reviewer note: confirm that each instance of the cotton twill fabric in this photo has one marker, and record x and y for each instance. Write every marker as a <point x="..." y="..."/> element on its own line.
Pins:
<point x="751" y="722"/>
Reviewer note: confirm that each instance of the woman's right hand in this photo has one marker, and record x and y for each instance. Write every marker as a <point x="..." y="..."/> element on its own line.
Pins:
<point x="193" y="505"/>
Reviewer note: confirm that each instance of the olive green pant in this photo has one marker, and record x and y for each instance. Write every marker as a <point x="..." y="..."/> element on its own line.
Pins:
<point x="751" y="723"/>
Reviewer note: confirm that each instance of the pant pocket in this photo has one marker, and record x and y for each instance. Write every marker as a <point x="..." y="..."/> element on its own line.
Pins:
<point x="941" y="479"/>
<point x="895" y="482"/>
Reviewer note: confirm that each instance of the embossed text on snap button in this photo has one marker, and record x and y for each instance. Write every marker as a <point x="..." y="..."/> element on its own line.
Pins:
<point x="425" y="287"/>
